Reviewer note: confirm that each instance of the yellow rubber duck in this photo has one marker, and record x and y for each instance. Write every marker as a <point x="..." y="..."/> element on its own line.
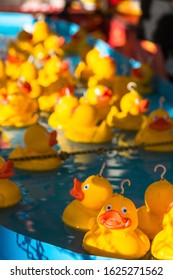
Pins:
<point x="54" y="43"/>
<point x="162" y="244"/>
<point x="40" y="32"/>
<point x="157" y="128"/>
<point x="15" y="54"/>
<point x="115" y="233"/>
<point x="84" y="70"/>
<point x="63" y="111"/>
<point x="90" y="196"/>
<point x="96" y="68"/>
<point x="64" y="85"/>
<point x="9" y="192"/>
<point x="38" y="143"/>
<point x="28" y="71"/>
<point x="12" y="69"/>
<point x="157" y="198"/>
<point x="132" y="111"/>
<point x="78" y="44"/>
<point x="143" y="77"/>
<point x="40" y="54"/>
<point x="88" y="129"/>
<point x="55" y="69"/>
<point x="104" y="71"/>
<point x="100" y="97"/>
<point x="18" y="110"/>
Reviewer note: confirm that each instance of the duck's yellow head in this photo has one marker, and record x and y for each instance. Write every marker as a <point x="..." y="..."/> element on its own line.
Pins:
<point x="40" y="31"/>
<point x="104" y="67"/>
<point x="159" y="195"/>
<point x="92" y="57"/>
<point x="159" y="120"/>
<point x="53" y="42"/>
<point x="53" y="65"/>
<point x="66" y="106"/>
<point x="38" y="139"/>
<point x="98" y="94"/>
<point x="39" y="52"/>
<point x="133" y="103"/>
<point x="118" y="213"/>
<point x="6" y="168"/>
<point x="28" y="71"/>
<point x="93" y="192"/>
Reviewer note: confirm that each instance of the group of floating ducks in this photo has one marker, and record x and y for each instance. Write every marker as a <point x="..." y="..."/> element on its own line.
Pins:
<point x="35" y="77"/>
<point x="114" y="227"/>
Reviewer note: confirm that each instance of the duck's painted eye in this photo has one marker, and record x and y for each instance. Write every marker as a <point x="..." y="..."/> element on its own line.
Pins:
<point x="86" y="187"/>
<point x="124" y="210"/>
<point x="137" y="101"/>
<point x="108" y="207"/>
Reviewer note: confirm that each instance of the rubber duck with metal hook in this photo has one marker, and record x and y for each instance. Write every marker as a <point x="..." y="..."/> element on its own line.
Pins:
<point x="132" y="111"/>
<point x="115" y="233"/>
<point x="90" y="196"/>
<point x="157" y="198"/>
<point x="157" y="128"/>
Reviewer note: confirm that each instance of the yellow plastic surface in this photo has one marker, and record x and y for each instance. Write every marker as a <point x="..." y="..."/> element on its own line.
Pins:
<point x="84" y="126"/>
<point x="38" y="143"/>
<point x="90" y="196"/>
<point x="157" y="197"/>
<point x="115" y="234"/>
<point x="131" y="114"/>
<point x="162" y="244"/>
<point x="156" y="128"/>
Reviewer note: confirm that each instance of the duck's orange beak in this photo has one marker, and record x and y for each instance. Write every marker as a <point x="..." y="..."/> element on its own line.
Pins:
<point x="6" y="171"/>
<point x="60" y="41"/>
<point x="113" y="220"/>
<point x="52" y="138"/>
<point x="25" y="87"/>
<point x="160" y="124"/>
<point x="64" y="65"/>
<point x="76" y="191"/>
<point x="67" y="90"/>
<point x="137" y="72"/>
<point x="13" y="59"/>
<point x="144" y="105"/>
<point x="106" y="96"/>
